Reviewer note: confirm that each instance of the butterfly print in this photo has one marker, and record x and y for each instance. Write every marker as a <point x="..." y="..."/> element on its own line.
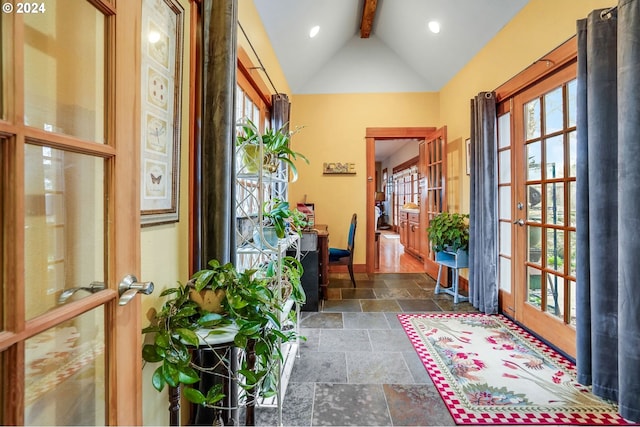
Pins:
<point x="155" y="179"/>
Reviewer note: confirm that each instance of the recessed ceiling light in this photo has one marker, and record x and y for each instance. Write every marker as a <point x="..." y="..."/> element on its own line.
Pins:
<point x="314" y="31"/>
<point x="434" y="27"/>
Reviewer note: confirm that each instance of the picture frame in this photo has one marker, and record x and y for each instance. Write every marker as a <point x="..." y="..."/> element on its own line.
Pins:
<point x="467" y="145"/>
<point x="160" y="112"/>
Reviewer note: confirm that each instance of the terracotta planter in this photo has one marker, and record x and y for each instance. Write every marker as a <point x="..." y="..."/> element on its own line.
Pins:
<point x="209" y="299"/>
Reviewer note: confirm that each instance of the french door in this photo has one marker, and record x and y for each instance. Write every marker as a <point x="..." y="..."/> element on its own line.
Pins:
<point x="433" y="198"/>
<point x="537" y="187"/>
<point x="69" y="352"/>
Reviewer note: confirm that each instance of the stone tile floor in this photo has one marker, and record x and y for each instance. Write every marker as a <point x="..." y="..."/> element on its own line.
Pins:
<point x="357" y="366"/>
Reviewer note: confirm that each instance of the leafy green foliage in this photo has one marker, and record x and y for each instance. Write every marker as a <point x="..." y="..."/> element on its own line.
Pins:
<point x="276" y="213"/>
<point x="275" y="142"/>
<point x="291" y="271"/>
<point x="249" y="304"/>
<point x="298" y="221"/>
<point x="449" y="231"/>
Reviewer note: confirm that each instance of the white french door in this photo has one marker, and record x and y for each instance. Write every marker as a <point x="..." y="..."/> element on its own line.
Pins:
<point x="69" y="353"/>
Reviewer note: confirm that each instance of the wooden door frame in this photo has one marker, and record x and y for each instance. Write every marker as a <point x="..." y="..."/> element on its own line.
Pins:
<point x="371" y="135"/>
<point x="551" y="63"/>
<point x="124" y="404"/>
<point x="439" y="136"/>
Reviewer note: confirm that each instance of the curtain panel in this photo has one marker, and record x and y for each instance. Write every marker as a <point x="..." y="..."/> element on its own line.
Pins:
<point x="608" y="205"/>
<point x="280" y="111"/>
<point x="280" y="116"/>
<point x="483" y="215"/>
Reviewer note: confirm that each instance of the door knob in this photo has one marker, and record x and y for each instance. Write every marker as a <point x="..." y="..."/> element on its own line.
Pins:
<point x="520" y="222"/>
<point x="129" y="287"/>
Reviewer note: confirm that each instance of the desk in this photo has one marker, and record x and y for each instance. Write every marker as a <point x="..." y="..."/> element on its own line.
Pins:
<point x="323" y="258"/>
<point x="310" y="279"/>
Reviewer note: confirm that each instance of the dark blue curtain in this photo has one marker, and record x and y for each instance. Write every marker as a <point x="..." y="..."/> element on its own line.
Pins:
<point x="608" y="205"/>
<point x="483" y="215"/>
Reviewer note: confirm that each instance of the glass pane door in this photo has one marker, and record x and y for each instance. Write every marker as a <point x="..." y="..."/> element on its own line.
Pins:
<point x="64" y="247"/>
<point x="544" y="194"/>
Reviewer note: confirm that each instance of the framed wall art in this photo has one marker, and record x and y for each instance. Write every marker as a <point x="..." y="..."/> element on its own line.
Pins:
<point x="467" y="148"/>
<point x="161" y="82"/>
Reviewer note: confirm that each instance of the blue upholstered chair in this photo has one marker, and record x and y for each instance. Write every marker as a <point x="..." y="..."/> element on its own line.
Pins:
<point x="345" y="256"/>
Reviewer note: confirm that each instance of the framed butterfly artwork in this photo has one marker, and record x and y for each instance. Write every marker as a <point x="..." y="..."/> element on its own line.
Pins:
<point x="161" y="82"/>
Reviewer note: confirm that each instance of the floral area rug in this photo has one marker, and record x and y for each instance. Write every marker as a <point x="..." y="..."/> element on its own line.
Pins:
<point x="490" y="371"/>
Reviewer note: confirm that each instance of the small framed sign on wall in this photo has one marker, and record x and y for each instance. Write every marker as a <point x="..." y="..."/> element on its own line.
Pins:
<point x="333" y="168"/>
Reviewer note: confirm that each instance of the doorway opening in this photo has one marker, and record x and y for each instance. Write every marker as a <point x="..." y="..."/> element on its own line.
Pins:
<point x="382" y="243"/>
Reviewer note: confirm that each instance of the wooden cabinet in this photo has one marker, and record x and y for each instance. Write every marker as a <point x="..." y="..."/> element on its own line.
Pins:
<point x="403" y="225"/>
<point x="410" y="231"/>
<point x="413" y="234"/>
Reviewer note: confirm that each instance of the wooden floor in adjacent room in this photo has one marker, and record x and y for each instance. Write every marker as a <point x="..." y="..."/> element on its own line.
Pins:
<point x="393" y="259"/>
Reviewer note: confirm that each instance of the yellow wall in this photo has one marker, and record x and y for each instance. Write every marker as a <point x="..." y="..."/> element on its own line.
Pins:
<point x="165" y="250"/>
<point x="536" y="30"/>
<point x="250" y="21"/>
<point x="334" y="131"/>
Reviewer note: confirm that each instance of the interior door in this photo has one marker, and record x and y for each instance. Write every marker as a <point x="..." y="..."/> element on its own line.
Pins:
<point x="69" y="353"/>
<point x="433" y="197"/>
<point x="543" y="197"/>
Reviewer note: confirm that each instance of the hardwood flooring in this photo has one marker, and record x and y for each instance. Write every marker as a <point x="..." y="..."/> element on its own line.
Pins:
<point x="393" y="259"/>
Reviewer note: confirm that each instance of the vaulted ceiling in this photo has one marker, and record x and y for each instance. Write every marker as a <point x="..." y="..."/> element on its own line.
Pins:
<point x="400" y="54"/>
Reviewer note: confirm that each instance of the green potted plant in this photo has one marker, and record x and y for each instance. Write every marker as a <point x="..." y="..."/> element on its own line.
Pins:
<point x="287" y="274"/>
<point x="250" y="314"/>
<point x="275" y="145"/>
<point x="298" y="221"/>
<point x="276" y="216"/>
<point x="449" y="232"/>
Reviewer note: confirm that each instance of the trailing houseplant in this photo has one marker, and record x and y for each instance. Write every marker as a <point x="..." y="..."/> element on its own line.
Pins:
<point x="286" y="274"/>
<point x="449" y="231"/>
<point x="276" y="147"/>
<point x="249" y="309"/>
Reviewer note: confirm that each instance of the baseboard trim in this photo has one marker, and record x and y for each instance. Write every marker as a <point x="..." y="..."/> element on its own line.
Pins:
<point x="342" y="268"/>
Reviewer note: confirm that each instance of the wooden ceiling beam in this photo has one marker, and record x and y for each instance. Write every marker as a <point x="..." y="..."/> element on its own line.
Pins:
<point x="368" y="13"/>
